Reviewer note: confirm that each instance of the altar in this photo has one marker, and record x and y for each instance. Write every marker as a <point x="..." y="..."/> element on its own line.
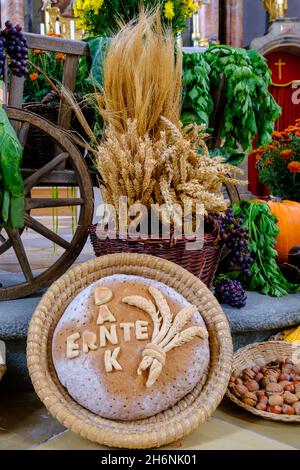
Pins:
<point x="281" y="47"/>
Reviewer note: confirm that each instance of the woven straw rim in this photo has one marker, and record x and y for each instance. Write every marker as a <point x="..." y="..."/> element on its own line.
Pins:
<point x="165" y="427"/>
<point x="266" y="352"/>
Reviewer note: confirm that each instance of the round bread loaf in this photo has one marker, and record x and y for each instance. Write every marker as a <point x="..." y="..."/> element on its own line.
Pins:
<point x="112" y="388"/>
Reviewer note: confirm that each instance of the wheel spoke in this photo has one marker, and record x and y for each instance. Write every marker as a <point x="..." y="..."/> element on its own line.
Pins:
<point x="18" y="247"/>
<point x="5" y="246"/>
<point x="33" y="179"/>
<point x="32" y="223"/>
<point x="39" y="203"/>
<point x="23" y="133"/>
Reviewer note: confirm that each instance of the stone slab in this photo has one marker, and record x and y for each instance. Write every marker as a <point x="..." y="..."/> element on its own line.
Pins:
<point x="264" y="313"/>
<point x="15" y="316"/>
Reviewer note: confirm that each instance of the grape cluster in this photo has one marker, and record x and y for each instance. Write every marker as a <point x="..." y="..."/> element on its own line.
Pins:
<point x="231" y="292"/>
<point x="2" y="56"/>
<point x="17" y="48"/>
<point x="235" y="237"/>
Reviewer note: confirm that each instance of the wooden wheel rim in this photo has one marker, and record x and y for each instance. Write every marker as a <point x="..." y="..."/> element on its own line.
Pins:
<point x="86" y="213"/>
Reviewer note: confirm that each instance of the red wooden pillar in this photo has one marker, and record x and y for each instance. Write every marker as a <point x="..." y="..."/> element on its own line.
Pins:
<point x="209" y="20"/>
<point x="234" y="12"/>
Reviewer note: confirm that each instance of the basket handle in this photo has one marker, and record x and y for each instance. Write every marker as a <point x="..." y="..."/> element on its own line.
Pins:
<point x="233" y="193"/>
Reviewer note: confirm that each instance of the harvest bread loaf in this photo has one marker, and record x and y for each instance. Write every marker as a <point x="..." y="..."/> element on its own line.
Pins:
<point x="128" y="347"/>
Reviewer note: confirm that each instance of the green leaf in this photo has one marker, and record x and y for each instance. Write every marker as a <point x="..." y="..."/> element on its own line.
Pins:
<point x="97" y="47"/>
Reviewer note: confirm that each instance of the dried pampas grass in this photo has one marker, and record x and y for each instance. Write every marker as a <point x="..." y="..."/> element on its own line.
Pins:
<point x="142" y="77"/>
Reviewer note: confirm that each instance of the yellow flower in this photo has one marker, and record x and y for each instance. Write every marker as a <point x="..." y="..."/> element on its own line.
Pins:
<point x="81" y="7"/>
<point x="169" y="10"/>
<point x="190" y="7"/>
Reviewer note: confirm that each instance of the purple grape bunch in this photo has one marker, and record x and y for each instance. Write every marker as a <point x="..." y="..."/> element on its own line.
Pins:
<point x="2" y="56"/>
<point x="235" y="237"/>
<point x="231" y="292"/>
<point x="16" y="47"/>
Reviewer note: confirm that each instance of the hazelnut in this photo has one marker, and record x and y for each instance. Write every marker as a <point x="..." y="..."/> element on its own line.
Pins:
<point x="297" y="369"/>
<point x="297" y="388"/>
<point x="289" y="361"/>
<point x="259" y="376"/>
<point x="250" y="399"/>
<point x="264" y="400"/>
<point x="290" y="387"/>
<point x="255" y="369"/>
<point x="268" y="380"/>
<point x="272" y="373"/>
<point x="286" y="369"/>
<point x="261" y="406"/>
<point x="261" y="394"/>
<point x="239" y="381"/>
<point x="283" y="383"/>
<point x="296" y="407"/>
<point x="290" y="398"/>
<point x="274" y="409"/>
<point x="288" y="410"/>
<point x="276" y="400"/>
<point x="252" y="385"/>
<point x="274" y="389"/>
<point x="263" y="370"/>
<point x="284" y="376"/>
<point x="240" y="390"/>
<point x="248" y="374"/>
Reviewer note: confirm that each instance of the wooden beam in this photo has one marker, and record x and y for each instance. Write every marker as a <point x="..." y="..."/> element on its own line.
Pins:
<point x="69" y="82"/>
<point x="53" y="44"/>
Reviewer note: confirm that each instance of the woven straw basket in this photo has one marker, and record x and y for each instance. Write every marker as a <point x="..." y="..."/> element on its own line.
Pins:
<point x="203" y="262"/>
<point x="165" y="427"/>
<point x="261" y="354"/>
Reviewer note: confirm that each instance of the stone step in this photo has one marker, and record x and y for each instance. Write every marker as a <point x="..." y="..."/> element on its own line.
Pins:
<point x="257" y="321"/>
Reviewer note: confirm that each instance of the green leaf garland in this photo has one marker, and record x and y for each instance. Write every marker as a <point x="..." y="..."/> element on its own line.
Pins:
<point x="266" y="276"/>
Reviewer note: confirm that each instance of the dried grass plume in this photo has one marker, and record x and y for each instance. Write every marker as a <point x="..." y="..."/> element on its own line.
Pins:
<point x="142" y="77"/>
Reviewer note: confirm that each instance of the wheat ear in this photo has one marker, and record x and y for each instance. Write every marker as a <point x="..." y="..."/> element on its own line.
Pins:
<point x="186" y="336"/>
<point x="179" y="321"/>
<point x="165" y="312"/>
<point x="148" y="307"/>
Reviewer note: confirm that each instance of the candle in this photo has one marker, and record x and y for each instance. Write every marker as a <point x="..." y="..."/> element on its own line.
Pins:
<point x="42" y="29"/>
<point x="179" y="40"/>
<point x="195" y="23"/>
<point x="57" y="27"/>
<point x="72" y="29"/>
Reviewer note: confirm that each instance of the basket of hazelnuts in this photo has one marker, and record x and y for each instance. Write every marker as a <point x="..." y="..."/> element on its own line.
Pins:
<point x="266" y="380"/>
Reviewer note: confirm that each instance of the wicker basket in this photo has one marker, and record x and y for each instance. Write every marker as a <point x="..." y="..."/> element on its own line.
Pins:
<point x="173" y="424"/>
<point x="40" y="148"/>
<point x="203" y="263"/>
<point x="261" y="354"/>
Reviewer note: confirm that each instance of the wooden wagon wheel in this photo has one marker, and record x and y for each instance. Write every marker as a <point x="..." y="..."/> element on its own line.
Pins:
<point x="50" y="174"/>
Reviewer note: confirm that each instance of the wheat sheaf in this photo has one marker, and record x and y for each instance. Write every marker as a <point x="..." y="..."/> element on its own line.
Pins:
<point x="167" y="331"/>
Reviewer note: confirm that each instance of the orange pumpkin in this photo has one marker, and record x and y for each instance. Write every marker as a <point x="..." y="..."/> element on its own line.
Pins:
<point x="288" y="216"/>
